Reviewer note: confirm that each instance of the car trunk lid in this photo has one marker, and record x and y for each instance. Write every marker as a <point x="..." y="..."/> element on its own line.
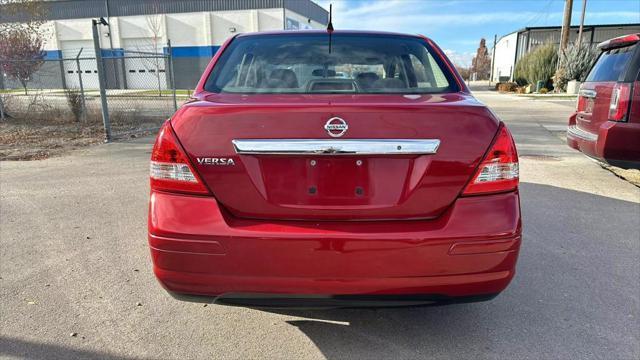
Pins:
<point x="401" y="156"/>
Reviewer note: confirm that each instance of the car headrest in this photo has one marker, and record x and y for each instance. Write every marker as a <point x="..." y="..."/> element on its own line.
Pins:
<point x="389" y="83"/>
<point x="366" y="79"/>
<point x="287" y="76"/>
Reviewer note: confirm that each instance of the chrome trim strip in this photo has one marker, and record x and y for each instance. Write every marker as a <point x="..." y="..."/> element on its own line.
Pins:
<point x="588" y="93"/>
<point x="579" y="133"/>
<point x="336" y="147"/>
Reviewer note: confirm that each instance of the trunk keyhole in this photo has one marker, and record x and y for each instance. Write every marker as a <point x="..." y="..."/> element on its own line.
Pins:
<point x="313" y="190"/>
<point x="359" y="191"/>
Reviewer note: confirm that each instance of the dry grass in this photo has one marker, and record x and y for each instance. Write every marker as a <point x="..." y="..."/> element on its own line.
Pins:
<point x="631" y="175"/>
<point x="35" y="140"/>
<point x="40" y="135"/>
<point x="43" y="125"/>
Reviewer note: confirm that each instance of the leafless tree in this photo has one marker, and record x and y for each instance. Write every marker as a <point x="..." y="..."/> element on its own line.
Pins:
<point x="21" y="55"/>
<point x="481" y="63"/>
<point x="21" y="40"/>
<point x="156" y="27"/>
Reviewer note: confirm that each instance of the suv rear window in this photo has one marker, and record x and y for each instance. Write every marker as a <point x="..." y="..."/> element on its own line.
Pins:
<point x="611" y="64"/>
<point x="302" y="63"/>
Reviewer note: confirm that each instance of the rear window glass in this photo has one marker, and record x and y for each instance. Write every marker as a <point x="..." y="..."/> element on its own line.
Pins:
<point x="302" y="63"/>
<point x="611" y="64"/>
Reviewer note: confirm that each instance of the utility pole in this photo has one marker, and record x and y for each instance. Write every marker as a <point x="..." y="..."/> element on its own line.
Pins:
<point x="101" y="77"/>
<point x="584" y="9"/>
<point x="1" y="108"/>
<point x="566" y="24"/>
<point x="493" y="57"/>
<point x="172" y="77"/>
<point x="84" y="105"/>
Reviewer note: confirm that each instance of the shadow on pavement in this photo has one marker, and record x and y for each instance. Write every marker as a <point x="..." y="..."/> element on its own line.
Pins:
<point x="392" y="333"/>
<point x="22" y="349"/>
<point x="575" y="295"/>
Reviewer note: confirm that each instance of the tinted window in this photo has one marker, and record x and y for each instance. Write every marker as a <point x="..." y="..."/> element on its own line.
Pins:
<point x="302" y="63"/>
<point x="611" y="64"/>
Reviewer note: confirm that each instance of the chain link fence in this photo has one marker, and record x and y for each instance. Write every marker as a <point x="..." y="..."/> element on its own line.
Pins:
<point x="138" y="88"/>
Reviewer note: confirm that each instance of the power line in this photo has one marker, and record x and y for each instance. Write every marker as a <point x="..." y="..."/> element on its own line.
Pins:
<point x="538" y="16"/>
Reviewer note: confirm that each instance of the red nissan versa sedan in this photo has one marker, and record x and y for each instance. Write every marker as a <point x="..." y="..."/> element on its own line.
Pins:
<point x="606" y="124"/>
<point x="283" y="183"/>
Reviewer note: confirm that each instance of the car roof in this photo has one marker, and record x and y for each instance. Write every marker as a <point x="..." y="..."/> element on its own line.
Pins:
<point x="323" y="31"/>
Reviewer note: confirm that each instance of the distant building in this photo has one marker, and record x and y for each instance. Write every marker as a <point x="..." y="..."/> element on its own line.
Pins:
<point x="511" y="47"/>
<point x="196" y="29"/>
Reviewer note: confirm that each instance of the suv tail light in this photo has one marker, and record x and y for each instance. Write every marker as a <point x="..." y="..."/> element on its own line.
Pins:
<point x="584" y="95"/>
<point x="581" y="104"/>
<point x="619" y="105"/>
<point x="171" y="169"/>
<point x="498" y="171"/>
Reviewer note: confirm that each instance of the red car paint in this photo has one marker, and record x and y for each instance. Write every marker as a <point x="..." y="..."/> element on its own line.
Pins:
<point x="610" y="135"/>
<point x="405" y="194"/>
<point x="418" y="225"/>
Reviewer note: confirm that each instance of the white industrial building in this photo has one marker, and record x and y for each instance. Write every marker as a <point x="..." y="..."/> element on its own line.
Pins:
<point x="511" y="47"/>
<point x="196" y="29"/>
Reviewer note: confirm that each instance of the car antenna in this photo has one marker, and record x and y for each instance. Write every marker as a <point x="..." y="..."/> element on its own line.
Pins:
<point x="330" y="25"/>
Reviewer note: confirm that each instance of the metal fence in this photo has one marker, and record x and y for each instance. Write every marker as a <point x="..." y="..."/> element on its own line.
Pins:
<point x="133" y="90"/>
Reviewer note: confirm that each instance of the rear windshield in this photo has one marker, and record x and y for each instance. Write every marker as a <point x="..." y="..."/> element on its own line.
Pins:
<point x="303" y="63"/>
<point x="611" y="64"/>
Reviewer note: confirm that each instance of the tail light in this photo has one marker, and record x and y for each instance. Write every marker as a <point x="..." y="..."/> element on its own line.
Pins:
<point x="586" y="98"/>
<point x="498" y="171"/>
<point x="171" y="169"/>
<point x="620" y="97"/>
<point x="581" y="104"/>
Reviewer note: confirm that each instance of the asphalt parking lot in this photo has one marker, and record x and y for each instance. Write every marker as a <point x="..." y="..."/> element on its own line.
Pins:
<point x="76" y="280"/>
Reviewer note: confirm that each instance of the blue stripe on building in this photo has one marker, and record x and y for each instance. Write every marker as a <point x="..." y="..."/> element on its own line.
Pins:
<point x="52" y="54"/>
<point x="112" y="53"/>
<point x="177" y="51"/>
<point x="192" y="51"/>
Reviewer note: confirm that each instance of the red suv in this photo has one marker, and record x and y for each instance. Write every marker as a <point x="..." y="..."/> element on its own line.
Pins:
<point x="606" y="124"/>
<point x="337" y="169"/>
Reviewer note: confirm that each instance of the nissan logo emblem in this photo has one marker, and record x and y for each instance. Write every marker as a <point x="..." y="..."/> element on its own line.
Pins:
<point x="336" y="127"/>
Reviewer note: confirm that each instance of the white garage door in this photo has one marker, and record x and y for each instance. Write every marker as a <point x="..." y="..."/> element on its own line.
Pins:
<point x="88" y="67"/>
<point x="144" y="71"/>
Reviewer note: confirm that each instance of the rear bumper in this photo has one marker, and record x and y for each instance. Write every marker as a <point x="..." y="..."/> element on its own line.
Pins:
<point x="469" y="252"/>
<point x="615" y="143"/>
<point x="330" y="301"/>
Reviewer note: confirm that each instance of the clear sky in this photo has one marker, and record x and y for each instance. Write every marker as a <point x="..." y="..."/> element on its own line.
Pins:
<point x="458" y="25"/>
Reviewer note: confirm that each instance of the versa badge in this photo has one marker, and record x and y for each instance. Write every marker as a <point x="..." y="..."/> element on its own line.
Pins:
<point x="215" y="161"/>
